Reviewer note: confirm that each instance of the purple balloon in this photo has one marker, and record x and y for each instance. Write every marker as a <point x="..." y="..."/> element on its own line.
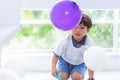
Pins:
<point x="66" y="15"/>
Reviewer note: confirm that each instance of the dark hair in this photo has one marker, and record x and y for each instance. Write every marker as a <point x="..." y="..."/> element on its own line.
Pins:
<point x="86" y="20"/>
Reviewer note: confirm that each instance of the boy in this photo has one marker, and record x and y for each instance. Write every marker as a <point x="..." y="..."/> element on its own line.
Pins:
<point x="68" y="55"/>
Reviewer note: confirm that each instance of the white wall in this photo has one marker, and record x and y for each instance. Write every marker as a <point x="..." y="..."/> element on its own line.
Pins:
<point x="9" y="20"/>
<point x="9" y="12"/>
<point x="84" y="4"/>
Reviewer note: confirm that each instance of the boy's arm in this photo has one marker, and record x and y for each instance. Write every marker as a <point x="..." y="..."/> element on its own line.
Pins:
<point x="91" y="74"/>
<point x="54" y="62"/>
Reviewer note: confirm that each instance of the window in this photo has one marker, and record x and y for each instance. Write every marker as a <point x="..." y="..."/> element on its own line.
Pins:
<point x="38" y="34"/>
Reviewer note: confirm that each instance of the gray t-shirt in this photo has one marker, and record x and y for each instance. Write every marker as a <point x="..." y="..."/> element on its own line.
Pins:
<point x="71" y="54"/>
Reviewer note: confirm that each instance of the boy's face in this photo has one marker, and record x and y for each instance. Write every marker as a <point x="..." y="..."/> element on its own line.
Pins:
<point x="79" y="32"/>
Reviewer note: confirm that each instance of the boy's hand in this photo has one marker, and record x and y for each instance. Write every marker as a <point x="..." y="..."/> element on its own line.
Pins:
<point x="54" y="72"/>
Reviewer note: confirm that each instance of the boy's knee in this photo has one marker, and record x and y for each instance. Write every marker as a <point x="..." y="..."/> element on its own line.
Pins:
<point x="76" y="76"/>
<point x="63" y="75"/>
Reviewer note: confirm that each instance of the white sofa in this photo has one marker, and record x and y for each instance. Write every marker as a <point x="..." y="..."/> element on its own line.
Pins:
<point x="42" y="62"/>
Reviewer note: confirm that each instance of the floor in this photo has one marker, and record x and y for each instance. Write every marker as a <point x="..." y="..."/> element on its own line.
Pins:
<point x="106" y="75"/>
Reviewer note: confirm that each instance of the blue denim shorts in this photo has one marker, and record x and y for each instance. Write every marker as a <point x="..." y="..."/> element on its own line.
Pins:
<point x="63" y="66"/>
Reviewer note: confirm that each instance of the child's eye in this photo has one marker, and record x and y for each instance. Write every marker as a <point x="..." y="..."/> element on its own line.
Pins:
<point x="82" y="27"/>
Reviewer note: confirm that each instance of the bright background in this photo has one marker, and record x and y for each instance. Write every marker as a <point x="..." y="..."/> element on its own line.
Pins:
<point x="37" y="37"/>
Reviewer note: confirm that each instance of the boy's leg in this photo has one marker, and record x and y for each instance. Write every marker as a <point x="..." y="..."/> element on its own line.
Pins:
<point x="91" y="74"/>
<point x="64" y="75"/>
<point x="79" y="70"/>
<point x="63" y="68"/>
<point x="76" y="76"/>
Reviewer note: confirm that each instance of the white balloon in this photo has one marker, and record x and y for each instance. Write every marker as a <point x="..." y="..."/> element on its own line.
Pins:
<point x="96" y="59"/>
<point x="16" y="66"/>
<point x="8" y="75"/>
